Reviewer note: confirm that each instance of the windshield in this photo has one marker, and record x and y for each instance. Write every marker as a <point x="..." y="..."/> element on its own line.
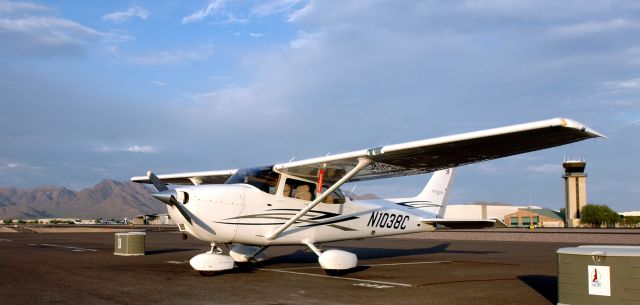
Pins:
<point x="264" y="178"/>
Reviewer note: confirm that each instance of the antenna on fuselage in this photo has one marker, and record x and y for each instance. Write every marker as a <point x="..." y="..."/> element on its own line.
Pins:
<point x="292" y="158"/>
<point x="353" y="189"/>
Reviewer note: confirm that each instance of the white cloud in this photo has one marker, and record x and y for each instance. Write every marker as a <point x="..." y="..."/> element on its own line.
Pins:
<point x="306" y="40"/>
<point x="158" y="83"/>
<point x="529" y="157"/>
<point x="214" y="8"/>
<point x="18" y="166"/>
<point x="174" y="56"/>
<point x="633" y="55"/>
<point x="46" y="34"/>
<point x="145" y="149"/>
<point x="220" y="106"/>
<point x="634" y="122"/>
<point x="211" y="8"/>
<point x="488" y="168"/>
<point x="223" y="15"/>
<point x="16" y="7"/>
<point x="275" y="7"/>
<point x="628" y="84"/>
<point x="545" y="168"/>
<point x="124" y="16"/>
<point x="594" y="27"/>
<point x="301" y="13"/>
<point x="256" y="35"/>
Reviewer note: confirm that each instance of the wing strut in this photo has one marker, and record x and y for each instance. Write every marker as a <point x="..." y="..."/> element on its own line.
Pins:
<point x="362" y="163"/>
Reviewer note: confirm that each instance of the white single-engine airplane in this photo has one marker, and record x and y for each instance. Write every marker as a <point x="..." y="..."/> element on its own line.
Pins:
<point x="300" y="202"/>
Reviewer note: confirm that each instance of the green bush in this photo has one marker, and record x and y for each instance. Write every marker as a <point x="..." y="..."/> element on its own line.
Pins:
<point x="58" y="221"/>
<point x="597" y="215"/>
<point x="631" y="221"/>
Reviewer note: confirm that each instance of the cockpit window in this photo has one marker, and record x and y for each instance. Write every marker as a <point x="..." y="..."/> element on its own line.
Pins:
<point x="304" y="190"/>
<point x="264" y="178"/>
<point x="299" y="189"/>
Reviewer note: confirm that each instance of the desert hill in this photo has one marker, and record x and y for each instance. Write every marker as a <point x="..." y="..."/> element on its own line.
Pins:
<point x="107" y="199"/>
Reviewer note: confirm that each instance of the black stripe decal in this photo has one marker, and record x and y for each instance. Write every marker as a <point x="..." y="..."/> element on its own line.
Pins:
<point x="313" y="223"/>
<point x="417" y="204"/>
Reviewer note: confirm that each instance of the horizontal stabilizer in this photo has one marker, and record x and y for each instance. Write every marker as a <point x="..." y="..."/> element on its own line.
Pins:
<point x="460" y="223"/>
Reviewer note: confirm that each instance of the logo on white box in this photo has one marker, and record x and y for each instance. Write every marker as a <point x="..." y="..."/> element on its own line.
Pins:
<point x="599" y="280"/>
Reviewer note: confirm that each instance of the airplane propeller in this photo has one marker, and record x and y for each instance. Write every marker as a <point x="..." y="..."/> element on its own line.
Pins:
<point x="168" y="196"/>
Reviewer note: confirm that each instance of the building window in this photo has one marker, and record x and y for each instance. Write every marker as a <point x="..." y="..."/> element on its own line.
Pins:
<point x="526" y="221"/>
<point x="514" y="221"/>
<point x="536" y="220"/>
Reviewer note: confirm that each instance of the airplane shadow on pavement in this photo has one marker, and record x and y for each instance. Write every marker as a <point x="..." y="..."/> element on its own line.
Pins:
<point x="162" y="251"/>
<point x="305" y="256"/>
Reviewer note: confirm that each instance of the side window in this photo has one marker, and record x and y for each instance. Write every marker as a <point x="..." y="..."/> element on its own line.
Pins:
<point x="299" y="189"/>
<point x="336" y="197"/>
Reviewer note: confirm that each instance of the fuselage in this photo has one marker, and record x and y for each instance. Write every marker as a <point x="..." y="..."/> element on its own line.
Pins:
<point x="242" y="213"/>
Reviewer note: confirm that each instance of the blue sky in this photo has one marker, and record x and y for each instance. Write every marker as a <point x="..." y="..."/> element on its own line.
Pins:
<point x="96" y="90"/>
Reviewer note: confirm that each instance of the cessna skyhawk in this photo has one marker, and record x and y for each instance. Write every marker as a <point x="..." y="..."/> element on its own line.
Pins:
<point x="300" y="202"/>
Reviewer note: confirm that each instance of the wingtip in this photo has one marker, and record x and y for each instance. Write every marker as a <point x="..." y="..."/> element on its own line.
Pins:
<point x="566" y="122"/>
<point x="596" y="134"/>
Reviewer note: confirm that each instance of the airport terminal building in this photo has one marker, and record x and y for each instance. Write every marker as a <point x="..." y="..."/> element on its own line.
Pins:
<point x="507" y="215"/>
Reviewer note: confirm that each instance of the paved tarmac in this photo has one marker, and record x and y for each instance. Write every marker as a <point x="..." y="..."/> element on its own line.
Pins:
<point x="80" y="268"/>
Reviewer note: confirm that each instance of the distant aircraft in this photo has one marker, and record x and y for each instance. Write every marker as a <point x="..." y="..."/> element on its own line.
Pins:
<point x="300" y="202"/>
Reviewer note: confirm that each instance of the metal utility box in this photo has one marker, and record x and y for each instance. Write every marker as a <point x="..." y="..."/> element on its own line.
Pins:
<point x="599" y="275"/>
<point x="129" y="244"/>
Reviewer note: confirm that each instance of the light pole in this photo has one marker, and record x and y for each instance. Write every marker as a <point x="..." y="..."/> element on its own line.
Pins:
<point x="531" y="225"/>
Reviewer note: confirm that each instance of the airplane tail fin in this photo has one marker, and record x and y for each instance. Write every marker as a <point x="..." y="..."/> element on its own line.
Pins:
<point x="435" y="193"/>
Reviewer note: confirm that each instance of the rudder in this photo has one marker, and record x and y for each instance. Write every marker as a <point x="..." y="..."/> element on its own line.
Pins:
<point x="436" y="191"/>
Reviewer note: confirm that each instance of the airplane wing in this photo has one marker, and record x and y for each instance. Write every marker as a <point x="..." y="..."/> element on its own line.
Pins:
<point x="193" y="178"/>
<point x="423" y="156"/>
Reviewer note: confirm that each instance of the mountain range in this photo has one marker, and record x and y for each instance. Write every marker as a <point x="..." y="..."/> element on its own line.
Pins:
<point x="107" y="199"/>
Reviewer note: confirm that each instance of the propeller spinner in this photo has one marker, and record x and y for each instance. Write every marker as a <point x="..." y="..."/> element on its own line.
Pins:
<point x="169" y="196"/>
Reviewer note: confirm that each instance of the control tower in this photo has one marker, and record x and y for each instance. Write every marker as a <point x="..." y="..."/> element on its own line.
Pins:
<point x="575" y="190"/>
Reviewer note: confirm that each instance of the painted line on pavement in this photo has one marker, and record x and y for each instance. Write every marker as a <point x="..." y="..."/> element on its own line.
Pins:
<point x="337" y="277"/>
<point x="77" y="249"/>
<point x="374" y="265"/>
<point x="176" y="262"/>
<point x="414" y="263"/>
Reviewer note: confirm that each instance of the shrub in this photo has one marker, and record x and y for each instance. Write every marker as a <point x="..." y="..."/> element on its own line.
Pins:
<point x="597" y="215"/>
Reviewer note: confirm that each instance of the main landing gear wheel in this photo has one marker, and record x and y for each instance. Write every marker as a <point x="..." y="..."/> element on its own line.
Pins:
<point x="337" y="262"/>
